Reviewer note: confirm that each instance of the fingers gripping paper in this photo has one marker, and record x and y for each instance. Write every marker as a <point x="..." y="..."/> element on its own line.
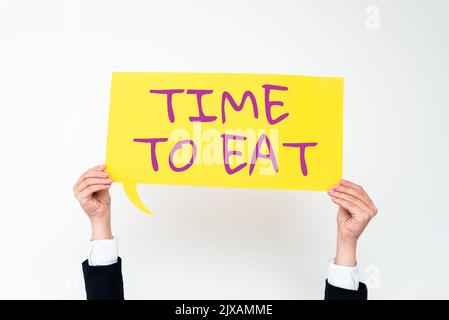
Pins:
<point x="224" y="130"/>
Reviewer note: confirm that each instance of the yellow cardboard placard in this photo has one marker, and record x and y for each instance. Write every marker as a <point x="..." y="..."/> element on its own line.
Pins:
<point x="224" y="130"/>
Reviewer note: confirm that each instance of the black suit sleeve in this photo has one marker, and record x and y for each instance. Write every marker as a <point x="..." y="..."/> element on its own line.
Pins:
<point x="103" y="282"/>
<point x="336" y="293"/>
<point x="106" y="283"/>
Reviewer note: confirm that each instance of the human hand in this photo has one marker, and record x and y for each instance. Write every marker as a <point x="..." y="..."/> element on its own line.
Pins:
<point x="92" y="192"/>
<point x="355" y="211"/>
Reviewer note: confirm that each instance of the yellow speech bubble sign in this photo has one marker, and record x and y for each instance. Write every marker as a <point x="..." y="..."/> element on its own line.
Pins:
<point x="224" y="130"/>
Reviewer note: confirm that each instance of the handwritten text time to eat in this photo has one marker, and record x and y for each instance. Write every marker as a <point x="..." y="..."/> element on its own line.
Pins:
<point x="227" y="100"/>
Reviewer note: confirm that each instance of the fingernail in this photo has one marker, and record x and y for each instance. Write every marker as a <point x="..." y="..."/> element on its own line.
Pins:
<point x="330" y="191"/>
<point x="336" y="186"/>
<point x="343" y="180"/>
<point x="109" y="180"/>
<point x="104" y="174"/>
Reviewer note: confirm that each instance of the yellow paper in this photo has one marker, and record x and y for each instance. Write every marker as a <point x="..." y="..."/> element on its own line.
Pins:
<point x="315" y="110"/>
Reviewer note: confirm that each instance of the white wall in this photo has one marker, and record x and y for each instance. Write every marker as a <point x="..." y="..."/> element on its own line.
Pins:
<point x="56" y="60"/>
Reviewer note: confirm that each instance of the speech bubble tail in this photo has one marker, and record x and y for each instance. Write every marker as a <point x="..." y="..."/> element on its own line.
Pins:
<point x="133" y="196"/>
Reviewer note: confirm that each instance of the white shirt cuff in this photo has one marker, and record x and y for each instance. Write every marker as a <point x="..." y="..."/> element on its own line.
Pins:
<point x="103" y="252"/>
<point x="343" y="277"/>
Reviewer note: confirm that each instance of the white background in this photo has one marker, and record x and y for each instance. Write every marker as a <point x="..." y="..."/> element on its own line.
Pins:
<point x="55" y="70"/>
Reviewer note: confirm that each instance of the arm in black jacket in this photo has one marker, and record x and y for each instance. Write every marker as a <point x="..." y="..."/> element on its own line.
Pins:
<point x="336" y="293"/>
<point x="106" y="283"/>
<point x="103" y="282"/>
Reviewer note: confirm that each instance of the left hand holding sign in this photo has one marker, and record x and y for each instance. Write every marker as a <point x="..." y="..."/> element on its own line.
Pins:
<point x="92" y="192"/>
